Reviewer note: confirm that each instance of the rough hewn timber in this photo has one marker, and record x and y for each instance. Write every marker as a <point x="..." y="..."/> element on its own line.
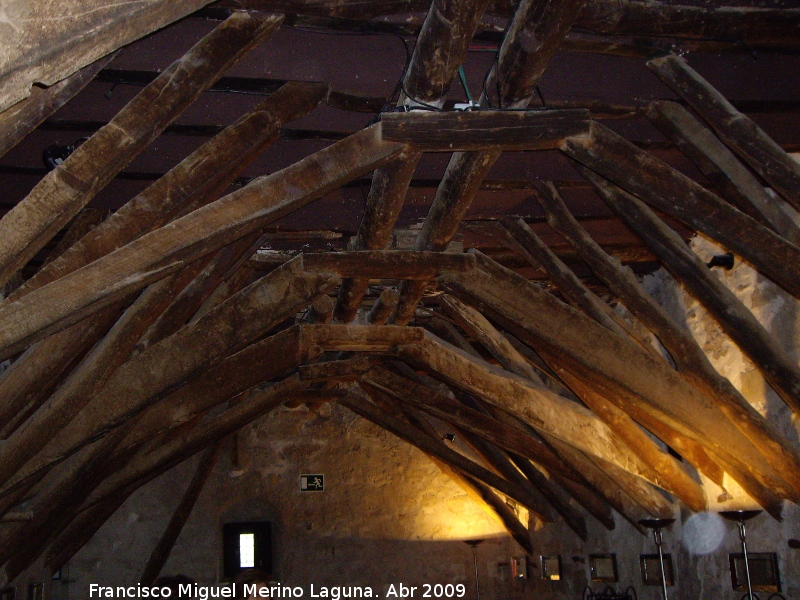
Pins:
<point x="451" y="334"/>
<point x="738" y="131"/>
<point x="19" y="120"/>
<point x="227" y="328"/>
<point x="666" y="189"/>
<point x="533" y="36"/>
<point x="689" y="358"/>
<point x="735" y="319"/>
<point x="734" y="181"/>
<point x="535" y="404"/>
<point x="479" y="491"/>
<point x="26" y="228"/>
<point x="146" y="466"/>
<point x="155" y="255"/>
<point x="581" y="344"/>
<point x="486" y="130"/>
<point x="415" y="437"/>
<point x="383" y="307"/>
<point x="321" y="310"/>
<point x="161" y="552"/>
<point x="195" y="181"/>
<point x="441" y="48"/>
<point x="424" y="398"/>
<point x="386" y="264"/>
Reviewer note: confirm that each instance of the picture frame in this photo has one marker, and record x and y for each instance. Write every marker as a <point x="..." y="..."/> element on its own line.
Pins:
<point x="764" y="572"/>
<point x="603" y="568"/>
<point x="651" y="570"/>
<point x="551" y="567"/>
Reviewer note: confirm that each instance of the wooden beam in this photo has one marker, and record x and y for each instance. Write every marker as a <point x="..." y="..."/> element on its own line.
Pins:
<point x="689" y="358"/>
<point x="379" y="264"/>
<point x="155" y="255"/>
<point x="658" y="184"/>
<point x="430" y="446"/>
<point x="145" y="467"/>
<point x="27" y="227"/>
<point x="778" y="368"/>
<point x="736" y="183"/>
<point x="535" y="404"/>
<point x="227" y="328"/>
<point x="195" y="181"/>
<point x="424" y="398"/>
<point x="383" y="307"/>
<point x="349" y="369"/>
<point x="26" y="115"/>
<point x="441" y="48"/>
<point x="463" y="131"/>
<point x="321" y="310"/>
<point x="619" y="422"/>
<point x="543" y="322"/>
<point x="533" y="36"/>
<point x="740" y="133"/>
<point x="479" y="491"/>
<point x="160" y="554"/>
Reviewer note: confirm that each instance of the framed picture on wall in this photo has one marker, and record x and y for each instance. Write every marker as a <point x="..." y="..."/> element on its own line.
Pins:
<point x="551" y="567"/>
<point x="603" y="568"/>
<point x="651" y="569"/>
<point x="764" y="574"/>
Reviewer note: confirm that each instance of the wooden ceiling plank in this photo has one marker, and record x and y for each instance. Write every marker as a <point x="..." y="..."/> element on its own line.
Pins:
<point x="734" y="181"/>
<point x="689" y="358"/>
<point x="160" y="252"/>
<point x="666" y="189"/>
<point x="535" y="32"/>
<point x="227" y="328"/>
<point x="539" y="319"/>
<point x="440" y="50"/>
<point x="26" y="228"/>
<point x="738" y="131"/>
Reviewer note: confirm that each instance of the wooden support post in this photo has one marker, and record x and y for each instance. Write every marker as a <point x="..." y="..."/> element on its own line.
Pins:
<point x="658" y="184"/>
<point x="533" y="36"/>
<point x="155" y="255"/>
<point x="736" y="183"/>
<point x="383" y="307"/>
<point x="689" y="358"/>
<point x="160" y="554"/>
<point x="64" y="191"/>
<point x="440" y="50"/>
<point x="740" y="133"/>
<point x="321" y="310"/>
<point x="544" y="322"/>
<point x="778" y="368"/>
<point x="142" y="380"/>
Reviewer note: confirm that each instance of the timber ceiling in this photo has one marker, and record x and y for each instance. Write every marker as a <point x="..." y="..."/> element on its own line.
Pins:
<point x="246" y="211"/>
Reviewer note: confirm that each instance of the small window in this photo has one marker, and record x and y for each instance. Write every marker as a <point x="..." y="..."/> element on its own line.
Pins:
<point x="246" y="546"/>
<point x="764" y="574"/>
